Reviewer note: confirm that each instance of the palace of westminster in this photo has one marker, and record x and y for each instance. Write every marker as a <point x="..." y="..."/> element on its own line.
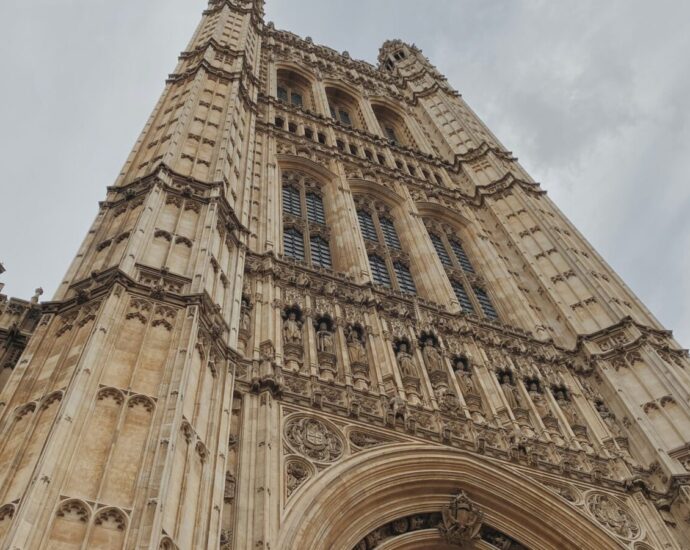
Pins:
<point x="323" y="308"/>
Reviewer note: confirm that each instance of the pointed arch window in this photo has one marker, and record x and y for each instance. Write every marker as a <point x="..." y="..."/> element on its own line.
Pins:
<point x="388" y="262"/>
<point x="305" y="231"/>
<point x="467" y="286"/>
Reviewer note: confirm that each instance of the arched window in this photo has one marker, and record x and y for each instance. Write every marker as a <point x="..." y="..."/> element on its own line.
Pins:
<point x="388" y="262"/>
<point x="305" y="233"/>
<point x="294" y="89"/>
<point x="344" y="108"/>
<point x="467" y="286"/>
<point x="393" y="126"/>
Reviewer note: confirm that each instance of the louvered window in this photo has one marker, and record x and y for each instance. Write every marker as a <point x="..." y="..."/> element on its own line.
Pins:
<point x="389" y="233"/>
<point x="461" y="256"/>
<point x="315" y="211"/>
<point x="320" y="252"/>
<point x="293" y="244"/>
<point x="463" y="298"/>
<point x="291" y="201"/>
<point x="405" y="282"/>
<point x="441" y="250"/>
<point x="485" y="302"/>
<point x="379" y="271"/>
<point x="366" y="224"/>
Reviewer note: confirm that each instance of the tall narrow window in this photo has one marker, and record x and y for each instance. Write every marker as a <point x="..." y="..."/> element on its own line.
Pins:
<point x="405" y="282"/>
<point x="366" y="224"/>
<point x="485" y="302"/>
<point x="389" y="263"/>
<point x="389" y="233"/>
<point x="345" y="117"/>
<point x="467" y="286"/>
<point x="461" y="256"/>
<point x="462" y="296"/>
<point x="390" y="132"/>
<point x="441" y="250"/>
<point x="315" y="211"/>
<point x="305" y="231"/>
<point x="282" y="94"/>
<point x="296" y="99"/>
<point x="293" y="244"/>
<point x="379" y="271"/>
<point x="291" y="201"/>
<point x="320" y="252"/>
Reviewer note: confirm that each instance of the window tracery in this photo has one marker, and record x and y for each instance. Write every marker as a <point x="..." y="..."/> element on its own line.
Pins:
<point x="389" y="264"/>
<point x="294" y="89"/>
<point x="467" y="285"/>
<point x="305" y="233"/>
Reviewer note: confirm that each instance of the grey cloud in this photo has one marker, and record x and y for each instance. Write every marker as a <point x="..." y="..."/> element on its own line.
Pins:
<point x="593" y="97"/>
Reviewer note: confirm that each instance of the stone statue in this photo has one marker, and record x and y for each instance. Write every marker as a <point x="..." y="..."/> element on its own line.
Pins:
<point x="245" y="321"/>
<point x="538" y="400"/>
<point x="355" y="348"/>
<point x="37" y="294"/>
<point x="405" y="361"/>
<point x="432" y="358"/>
<point x="324" y="339"/>
<point x="566" y="407"/>
<point x="509" y="391"/>
<point x="461" y="521"/>
<point x="292" y="330"/>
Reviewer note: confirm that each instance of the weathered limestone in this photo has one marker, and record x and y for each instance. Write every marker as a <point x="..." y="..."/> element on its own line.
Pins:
<point x="323" y="307"/>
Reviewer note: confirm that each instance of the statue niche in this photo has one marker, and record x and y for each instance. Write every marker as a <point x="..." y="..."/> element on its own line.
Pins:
<point x="292" y="338"/>
<point x="434" y="361"/>
<point x="245" y="322"/>
<point x="562" y="396"/>
<point x="357" y="353"/>
<point x="266" y="373"/>
<point x="325" y="348"/>
<point x="408" y="370"/>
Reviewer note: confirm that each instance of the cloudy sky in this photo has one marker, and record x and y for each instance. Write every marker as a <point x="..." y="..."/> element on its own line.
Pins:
<point x="592" y="96"/>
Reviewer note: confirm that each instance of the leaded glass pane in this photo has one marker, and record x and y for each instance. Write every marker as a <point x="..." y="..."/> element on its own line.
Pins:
<point x="282" y="94"/>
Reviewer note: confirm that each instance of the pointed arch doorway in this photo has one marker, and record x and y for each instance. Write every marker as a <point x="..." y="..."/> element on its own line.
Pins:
<point x="371" y="489"/>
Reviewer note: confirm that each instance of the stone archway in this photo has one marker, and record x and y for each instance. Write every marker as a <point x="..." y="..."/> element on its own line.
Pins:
<point x="337" y="509"/>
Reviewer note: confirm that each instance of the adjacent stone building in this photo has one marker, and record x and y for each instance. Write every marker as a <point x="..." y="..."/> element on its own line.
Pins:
<point x="322" y="307"/>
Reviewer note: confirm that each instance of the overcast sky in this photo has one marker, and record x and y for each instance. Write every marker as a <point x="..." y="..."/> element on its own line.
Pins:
<point x="592" y="96"/>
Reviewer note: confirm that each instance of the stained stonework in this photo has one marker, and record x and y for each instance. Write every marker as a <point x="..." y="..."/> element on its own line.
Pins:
<point x="323" y="307"/>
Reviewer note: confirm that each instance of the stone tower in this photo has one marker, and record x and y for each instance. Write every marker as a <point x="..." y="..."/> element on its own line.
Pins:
<point x="322" y="307"/>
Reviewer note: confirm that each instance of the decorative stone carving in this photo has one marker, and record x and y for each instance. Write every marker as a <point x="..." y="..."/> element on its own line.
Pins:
<point x="405" y="361"/>
<point x="325" y="347"/>
<point x="461" y="521"/>
<point x="612" y="514"/>
<point x="509" y="390"/>
<point x="314" y="439"/>
<point x="359" y="364"/>
<point x="292" y="339"/>
<point x="365" y="440"/>
<point x="296" y="474"/>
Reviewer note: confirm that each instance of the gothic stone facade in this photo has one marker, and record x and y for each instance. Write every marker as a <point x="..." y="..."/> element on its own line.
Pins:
<point x="322" y="307"/>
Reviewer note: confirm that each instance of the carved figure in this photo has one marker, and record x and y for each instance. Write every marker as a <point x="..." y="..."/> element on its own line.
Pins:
<point x="355" y="348"/>
<point x="245" y="321"/>
<point x="324" y="339"/>
<point x="292" y="329"/>
<point x="461" y="521"/>
<point x="432" y="358"/>
<point x="512" y="397"/>
<point x="610" y="513"/>
<point x="405" y="361"/>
